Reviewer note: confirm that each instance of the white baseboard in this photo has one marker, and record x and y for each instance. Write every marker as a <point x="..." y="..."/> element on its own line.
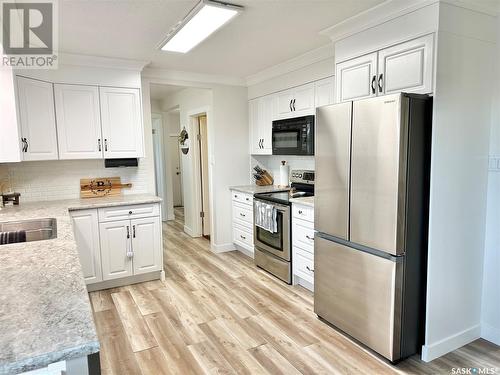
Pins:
<point x="490" y="333"/>
<point x="247" y="252"/>
<point x="222" y="248"/>
<point x="440" y="348"/>
<point x="189" y="231"/>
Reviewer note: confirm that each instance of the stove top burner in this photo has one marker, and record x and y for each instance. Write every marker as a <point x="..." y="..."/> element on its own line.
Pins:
<point x="283" y="197"/>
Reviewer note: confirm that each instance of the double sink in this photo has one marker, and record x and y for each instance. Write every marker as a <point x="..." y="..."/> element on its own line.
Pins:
<point x="36" y="229"/>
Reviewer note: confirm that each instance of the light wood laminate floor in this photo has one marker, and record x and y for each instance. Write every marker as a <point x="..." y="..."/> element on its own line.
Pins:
<point x="220" y="314"/>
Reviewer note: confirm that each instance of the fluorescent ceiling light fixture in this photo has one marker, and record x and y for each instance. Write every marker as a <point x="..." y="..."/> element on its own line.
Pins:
<point x="205" y="18"/>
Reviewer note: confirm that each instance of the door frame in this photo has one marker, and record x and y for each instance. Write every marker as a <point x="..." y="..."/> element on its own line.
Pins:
<point x="192" y="120"/>
<point x="161" y="178"/>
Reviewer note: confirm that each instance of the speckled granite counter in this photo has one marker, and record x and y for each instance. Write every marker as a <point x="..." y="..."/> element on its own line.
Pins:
<point x="306" y="201"/>
<point x="45" y="313"/>
<point x="254" y="189"/>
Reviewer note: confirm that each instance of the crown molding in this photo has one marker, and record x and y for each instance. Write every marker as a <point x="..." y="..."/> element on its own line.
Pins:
<point x="390" y="9"/>
<point x="101" y="62"/>
<point x="176" y="76"/>
<point x="293" y="64"/>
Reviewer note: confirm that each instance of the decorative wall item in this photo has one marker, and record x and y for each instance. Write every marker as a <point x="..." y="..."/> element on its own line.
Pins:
<point x="184" y="141"/>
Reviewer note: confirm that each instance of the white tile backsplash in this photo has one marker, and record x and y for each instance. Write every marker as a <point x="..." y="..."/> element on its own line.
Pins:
<point x="60" y="179"/>
<point x="272" y="163"/>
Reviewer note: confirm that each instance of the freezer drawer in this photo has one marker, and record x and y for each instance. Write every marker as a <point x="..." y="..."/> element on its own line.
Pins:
<point x="359" y="293"/>
<point x="333" y="161"/>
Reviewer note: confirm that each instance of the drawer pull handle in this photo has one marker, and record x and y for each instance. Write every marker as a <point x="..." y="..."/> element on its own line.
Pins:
<point x="300" y="212"/>
<point x="243" y="237"/>
<point x="235" y="196"/>
<point x="247" y="199"/>
<point x="309" y="269"/>
<point x="242" y="215"/>
<point x="130" y="212"/>
<point x="309" y="238"/>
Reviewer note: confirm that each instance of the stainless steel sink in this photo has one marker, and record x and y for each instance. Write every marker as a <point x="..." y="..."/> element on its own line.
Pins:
<point x="36" y="229"/>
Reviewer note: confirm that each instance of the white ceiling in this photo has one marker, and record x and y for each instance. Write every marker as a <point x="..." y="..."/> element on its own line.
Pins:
<point x="268" y="32"/>
<point x="159" y="92"/>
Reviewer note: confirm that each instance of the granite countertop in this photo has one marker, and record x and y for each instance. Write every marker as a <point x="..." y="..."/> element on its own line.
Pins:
<point x="255" y="189"/>
<point x="306" y="201"/>
<point x="45" y="313"/>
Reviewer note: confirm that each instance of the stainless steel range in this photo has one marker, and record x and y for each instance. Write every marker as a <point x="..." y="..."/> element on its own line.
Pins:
<point x="273" y="241"/>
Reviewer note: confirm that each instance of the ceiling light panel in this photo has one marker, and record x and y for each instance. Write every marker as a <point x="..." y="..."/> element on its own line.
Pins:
<point x="201" y="22"/>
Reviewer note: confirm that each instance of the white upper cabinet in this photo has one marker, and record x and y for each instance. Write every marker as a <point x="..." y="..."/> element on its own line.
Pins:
<point x="146" y="245"/>
<point x="37" y="117"/>
<point x="78" y="122"/>
<point x="86" y="230"/>
<point x="284" y="101"/>
<point x="295" y="102"/>
<point x="261" y="112"/>
<point x="356" y="78"/>
<point x="121" y="122"/>
<point x="324" y="92"/>
<point x="10" y="148"/>
<point x="406" y="67"/>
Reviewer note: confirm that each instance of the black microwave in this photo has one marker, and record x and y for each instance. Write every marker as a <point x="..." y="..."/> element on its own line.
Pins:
<point x="294" y="136"/>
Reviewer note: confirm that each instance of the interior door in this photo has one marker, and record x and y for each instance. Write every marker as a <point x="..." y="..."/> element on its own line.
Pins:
<point x="356" y="78"/>
<point x="146" y="244"/>
<point x="116" y="249"/>
<point x="78" y="121"/>
<point x="359" y="293"/>
<point x="206" y="227"/>
<point x="121" y="122"/>
<point x="406" y="67"/>
<point x="174" y="157"/>
<point x="333" y="162"/>
<point x="38" y="120"/>
<point x="86" y="230"/>
<point x="378" y="170"/>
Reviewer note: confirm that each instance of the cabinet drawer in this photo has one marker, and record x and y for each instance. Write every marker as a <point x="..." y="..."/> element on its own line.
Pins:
<point x="304" y="267"/>
<point x="303" y="237"/>
<point x="309" y="254"/>
<point x="243" y="213"/>
<point x="244" y="198"/>
<point x="135" y="211"/>
<point x="242" y="235"/>
<point x="303" y="212"/>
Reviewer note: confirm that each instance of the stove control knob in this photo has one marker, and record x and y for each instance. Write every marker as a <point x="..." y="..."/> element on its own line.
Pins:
<point x="300" y="175"/>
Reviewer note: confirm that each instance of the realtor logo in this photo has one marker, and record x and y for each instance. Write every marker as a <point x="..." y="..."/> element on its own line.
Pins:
<point x="29" y="34"/>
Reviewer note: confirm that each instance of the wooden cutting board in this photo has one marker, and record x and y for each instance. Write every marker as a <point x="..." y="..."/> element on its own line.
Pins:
<point x="101" y="187"/>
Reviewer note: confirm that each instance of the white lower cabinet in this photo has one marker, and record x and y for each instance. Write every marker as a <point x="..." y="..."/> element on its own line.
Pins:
<point x="303" y="245"/>
<point x="243" y="221"/>
<point x="114" y="249"/>
<point x="86" y="230"/>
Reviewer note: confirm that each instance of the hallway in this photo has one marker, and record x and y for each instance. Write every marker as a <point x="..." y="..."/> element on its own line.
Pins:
<point x="218" y="313"/>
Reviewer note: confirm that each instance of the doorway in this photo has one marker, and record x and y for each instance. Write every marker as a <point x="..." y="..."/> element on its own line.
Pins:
<point x="204" y="182"/>
<point x="174" y="158"/>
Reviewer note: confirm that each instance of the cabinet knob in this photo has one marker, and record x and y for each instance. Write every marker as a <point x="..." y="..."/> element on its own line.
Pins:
<point x="247" y="199"/>
<point x="130" y="212"/>
<point x="300" y="212"/>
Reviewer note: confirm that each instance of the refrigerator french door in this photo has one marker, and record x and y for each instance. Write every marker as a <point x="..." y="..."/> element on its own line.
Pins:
<point x="371" y="208"/>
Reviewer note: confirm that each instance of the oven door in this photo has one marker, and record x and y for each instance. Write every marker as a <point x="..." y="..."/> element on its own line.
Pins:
<point x="277" y="243"/>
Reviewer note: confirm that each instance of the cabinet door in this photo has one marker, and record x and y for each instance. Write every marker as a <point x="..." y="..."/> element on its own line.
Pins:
<point x="146" y="245"/>
<point x="10" y="148"/>
<point x="253" y="117"/>
<point x="356" y="78"/>
<point x="78" y="121"/>
<point x="284" y="104"/>
<point x="38" y="121"/>
<point x="324" y="92"/>
<point x="406" y="67"/>
<point x="116" y="251"/>
<point x="86" y="231"/>
<point x="122" y="128"/>
<point x="267" y="109"/>
<point x="303" y="100"/>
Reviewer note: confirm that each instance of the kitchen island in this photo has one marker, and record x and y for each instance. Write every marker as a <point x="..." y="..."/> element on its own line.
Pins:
<point x="45" y="312"/>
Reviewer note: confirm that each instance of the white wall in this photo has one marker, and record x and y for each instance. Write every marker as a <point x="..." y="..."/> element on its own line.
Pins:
<point x="187" y="100"/>
<point x="490" y="315"/>
<point x="58" y="179"/>
<point x="459" y="179"/>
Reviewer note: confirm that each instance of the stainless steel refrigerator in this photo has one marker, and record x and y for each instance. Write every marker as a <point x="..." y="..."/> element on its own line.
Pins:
<point x="371" y="218"/>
